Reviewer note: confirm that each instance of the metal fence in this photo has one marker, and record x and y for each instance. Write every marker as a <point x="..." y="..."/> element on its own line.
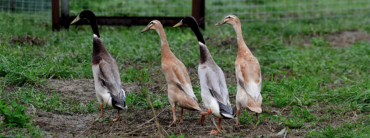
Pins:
<point x="38" y="10"/>
<point x="279" y="10"/>
<point x="246" y="10"/>
<point x="138" y="12"/>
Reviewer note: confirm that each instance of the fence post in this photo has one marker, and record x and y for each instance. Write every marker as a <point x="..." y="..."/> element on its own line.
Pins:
<point x="65" y="13"/>
<point x="55" y="14"/>
<point x="198" y="12"/>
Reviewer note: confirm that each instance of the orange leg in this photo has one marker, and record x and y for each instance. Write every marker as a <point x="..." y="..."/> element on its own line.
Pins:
<point x="218" y="128"/>
<point x="181" y="116"/>
<point x="101" y="113"/>
<point x="174" y="116"/>
<point x="114" y="120"/>
<point x="202" y="116"/>
<point x="237" y="119"/>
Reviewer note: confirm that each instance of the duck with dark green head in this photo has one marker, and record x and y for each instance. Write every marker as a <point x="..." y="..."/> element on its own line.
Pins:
<point x="106" y="75"/>
<point x="215" y="95"/>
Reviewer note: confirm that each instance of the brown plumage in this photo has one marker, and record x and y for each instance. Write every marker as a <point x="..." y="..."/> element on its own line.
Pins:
<point x="248" y="72"/>
<point x="180" y="91"/>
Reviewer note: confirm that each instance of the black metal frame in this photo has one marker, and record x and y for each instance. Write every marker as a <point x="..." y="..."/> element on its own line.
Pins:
<point x="63" y="19"/>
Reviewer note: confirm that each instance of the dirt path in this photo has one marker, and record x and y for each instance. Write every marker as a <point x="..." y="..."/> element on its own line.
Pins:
<point x="134" y="122"/>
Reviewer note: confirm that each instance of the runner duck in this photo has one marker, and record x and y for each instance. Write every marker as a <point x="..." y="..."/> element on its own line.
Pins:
<point x="215" y="95"/>
<point x="248" y="72"/>
<point x="106" y="76"/>
<point x="180" y="91"/>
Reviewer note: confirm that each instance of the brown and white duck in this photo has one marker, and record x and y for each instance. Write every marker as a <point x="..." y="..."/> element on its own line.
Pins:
<point x="248" y="72"/>
<point x="106" y="76"/>
<point x="180" y="91"/>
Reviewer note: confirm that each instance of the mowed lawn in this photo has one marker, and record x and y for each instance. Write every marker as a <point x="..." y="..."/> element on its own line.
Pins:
<point x="315" y="77"/>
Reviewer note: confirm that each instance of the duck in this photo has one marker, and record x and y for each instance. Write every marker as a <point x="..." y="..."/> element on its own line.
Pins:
<point x="248" y="72"/>
<point x="180" y="90"/>
<point x="214" y="92"/>
<point x="107" y="80"/>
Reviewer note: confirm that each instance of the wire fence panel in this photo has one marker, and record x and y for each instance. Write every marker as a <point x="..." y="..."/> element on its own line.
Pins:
<point x="146" y="8"/>
<point x="38" y="10"/>
<point x="246" y="10"/>
<point x="278" y="10"/>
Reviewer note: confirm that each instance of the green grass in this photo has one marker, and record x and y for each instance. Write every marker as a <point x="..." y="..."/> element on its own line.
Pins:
<point x="319" y="81"/>
<point x="51" y="102"/>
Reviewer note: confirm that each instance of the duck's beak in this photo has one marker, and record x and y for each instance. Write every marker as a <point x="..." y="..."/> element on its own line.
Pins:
<point x="178" y="24"/>
<point x="145" y="29"/>
<point x="220" y="23"/>
<point x="76" y="19"/>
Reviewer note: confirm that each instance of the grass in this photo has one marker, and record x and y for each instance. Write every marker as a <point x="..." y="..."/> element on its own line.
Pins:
<point x="317" y="81"/>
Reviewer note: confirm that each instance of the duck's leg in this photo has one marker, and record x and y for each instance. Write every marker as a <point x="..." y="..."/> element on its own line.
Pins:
<point x="237" y="119"/>
<point x="101" y="113"/>
<point x="218" y="128"/>
<point x="202" y="116"/>
<point x="181" y="116"/>
<point x="114" y="120"/>
<point x="257" y="116"/>
<point x="174" y="116"/>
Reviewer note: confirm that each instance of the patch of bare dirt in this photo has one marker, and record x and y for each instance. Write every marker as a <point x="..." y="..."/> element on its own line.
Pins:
<point x="346" y="38"/>
<point x="134" y="122"/>
<point x="139" y="122"/>
<point x="221" y="43"/>
<point x="336" y="40"/>
<point x="82" y="90"/>
<point x="27" y="40"/>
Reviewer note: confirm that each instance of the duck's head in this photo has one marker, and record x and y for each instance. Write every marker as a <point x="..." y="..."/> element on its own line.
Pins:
<point x="230" y="19"/>
<point x="85" y="14"/>
<point x="153" y="25"/>
<point x="189" y="21"/>
<point x="90" y="17"/>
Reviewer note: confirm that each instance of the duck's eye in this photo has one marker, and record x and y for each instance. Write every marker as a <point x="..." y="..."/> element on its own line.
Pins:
<point x="228" y="17"/>
<point x="151" y="22"/>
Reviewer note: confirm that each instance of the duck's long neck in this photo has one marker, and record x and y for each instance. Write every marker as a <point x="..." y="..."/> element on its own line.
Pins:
<point x="94" y="26"/>
<point x="98" y="46"/>
<point x="242" y="47"/>
<point x="204" y="52"/>
<point x="165" y="49"/>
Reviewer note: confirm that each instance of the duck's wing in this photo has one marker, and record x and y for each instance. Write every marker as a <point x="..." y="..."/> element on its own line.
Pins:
<point x="249" y="77"/>
<point x="217" y="84"/>
<point x="110" y="79"/>
<point x="182" y="80"/>
<point x="218" y="89"/>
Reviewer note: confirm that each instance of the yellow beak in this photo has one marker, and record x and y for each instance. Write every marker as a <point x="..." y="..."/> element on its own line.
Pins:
<point x="178" y="24"/>
<point x="76" y="19"/>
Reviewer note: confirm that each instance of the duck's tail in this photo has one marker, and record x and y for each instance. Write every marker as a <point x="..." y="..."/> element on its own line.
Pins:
<point x="226" y="111"/>
<point x="119" y="101"/>
<point x="255" y="105"/>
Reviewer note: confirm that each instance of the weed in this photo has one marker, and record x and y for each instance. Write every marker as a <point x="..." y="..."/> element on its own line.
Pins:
<point x="319" y="42"/>
<point x="16" y="119"/>
<point x="303" y="114"/>
<point x="133" y="75"/>
<point x="14" y="116"/>
<point x="247" y="119"/>
<point x="174" y="136"/>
